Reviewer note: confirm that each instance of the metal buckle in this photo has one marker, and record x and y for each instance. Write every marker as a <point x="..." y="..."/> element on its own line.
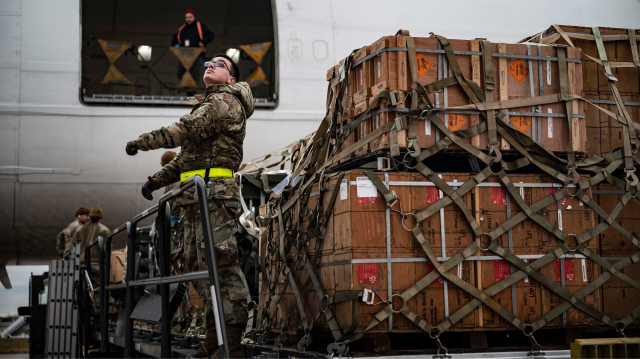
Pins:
<point x="368" y="296"/>
<point x="392" y="97"/>
<point x="381" y="165"/>
<point x="400" y="123"/>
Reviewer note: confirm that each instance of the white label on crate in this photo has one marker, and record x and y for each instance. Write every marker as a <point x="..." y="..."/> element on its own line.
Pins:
<point x="344" y="189"/>
<point x="460" y="270"/>
<point x="584" y="269"/>
<point x="559" y="216"/>
<point x="366" y="188"/>
<point x="548" y="72"/>
<point x="377" y="121"/>
<point x="427" y="126"/>
<point x="526" y="279"/>
<point x="138" y="346"/>
<point x="550" y="125"/>
<point x="379" y="69"/>
<point x="361" y="77"/>
<point x="521" y="191"/>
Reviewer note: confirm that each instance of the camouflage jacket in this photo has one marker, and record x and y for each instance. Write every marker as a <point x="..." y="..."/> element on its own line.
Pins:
<point x="65" y="235"/>
<point x="86" y="235"/>
<point x="210" y="136"/>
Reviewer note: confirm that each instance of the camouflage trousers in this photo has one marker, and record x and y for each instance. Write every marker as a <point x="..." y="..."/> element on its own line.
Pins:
<point x="177" y="246"/>
<point x="234" y="291"/>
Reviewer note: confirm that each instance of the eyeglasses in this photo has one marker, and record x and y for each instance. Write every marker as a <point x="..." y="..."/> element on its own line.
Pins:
<point x="218" y="63"/>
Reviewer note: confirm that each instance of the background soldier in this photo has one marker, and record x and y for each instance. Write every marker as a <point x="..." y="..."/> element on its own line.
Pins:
<point x="65" y="235"/>
<point x="211" y="137"/>
<point x="87" y="234"/>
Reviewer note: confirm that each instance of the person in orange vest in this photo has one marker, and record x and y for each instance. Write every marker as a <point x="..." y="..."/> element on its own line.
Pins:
<point x="192" y="34"/>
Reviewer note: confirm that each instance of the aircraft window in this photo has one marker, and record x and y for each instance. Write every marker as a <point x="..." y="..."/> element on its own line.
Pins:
<point x="131" y="54"/>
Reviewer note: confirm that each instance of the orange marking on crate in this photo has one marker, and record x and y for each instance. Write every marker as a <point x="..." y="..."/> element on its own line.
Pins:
<point x="456" y="121"/>
<point x="519" y="70"/>
<point x="522" y="123"/>
<point x="423" y="65"/>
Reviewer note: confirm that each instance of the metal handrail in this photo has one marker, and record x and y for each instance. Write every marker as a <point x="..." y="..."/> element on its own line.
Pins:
<point x="178" y="278"/>
<point x="165" y="279"/>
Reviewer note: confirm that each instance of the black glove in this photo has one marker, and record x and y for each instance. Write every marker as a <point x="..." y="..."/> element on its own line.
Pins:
<point x="151" y="185"/>
<point x="132" y="148"/>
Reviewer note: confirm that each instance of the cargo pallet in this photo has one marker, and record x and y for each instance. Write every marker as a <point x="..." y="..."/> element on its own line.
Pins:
<point x="378" y="233"/>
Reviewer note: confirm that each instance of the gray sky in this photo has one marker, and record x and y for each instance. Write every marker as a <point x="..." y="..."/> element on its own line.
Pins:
<point x="11" y="299"/>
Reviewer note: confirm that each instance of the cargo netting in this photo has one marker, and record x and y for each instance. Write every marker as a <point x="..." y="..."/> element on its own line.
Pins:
<point x="285" y="242"/>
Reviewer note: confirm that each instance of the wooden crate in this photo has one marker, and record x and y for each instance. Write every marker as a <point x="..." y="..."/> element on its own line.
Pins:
<point x="457" y="231"/>
<point x="550" y="130"/>
<point x="381" y="118"/>
<point x="578" y="272"/>
<point x="618" y="50"/>
<point x="362" y="75"/>
<point x="363" y="129"/>
<point x="619" y="298"/>
<point x="532" y="299"/>
<point x="612" y="243"/>
<point x="356" y="230"/>
<point x="614" y="127"/>
<point x="605" y="135"/>
<point x="385" y="75"/>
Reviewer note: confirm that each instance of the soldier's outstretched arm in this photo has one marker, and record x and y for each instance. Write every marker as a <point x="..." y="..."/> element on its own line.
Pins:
<point x="169" y="174"/>
<point x="210" y="118"/>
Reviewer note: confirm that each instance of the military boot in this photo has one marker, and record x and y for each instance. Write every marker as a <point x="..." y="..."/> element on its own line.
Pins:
<point x="210" y="341"/>
<point x="235" y="338"/>
<point x="234" y="335"/>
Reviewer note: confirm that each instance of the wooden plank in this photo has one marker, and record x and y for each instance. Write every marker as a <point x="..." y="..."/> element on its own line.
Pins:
<point x="475" y="64"/>
<point x="503" y="88"/>
<point x="577" y="140"/>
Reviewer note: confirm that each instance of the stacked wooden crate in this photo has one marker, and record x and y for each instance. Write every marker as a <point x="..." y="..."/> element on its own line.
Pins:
<point x="519" y="73"/>
<point x="604" y="132"/>
<point x="367" y="243"/>
<point x="358" y="231"/>
<point x="619" y="297"/>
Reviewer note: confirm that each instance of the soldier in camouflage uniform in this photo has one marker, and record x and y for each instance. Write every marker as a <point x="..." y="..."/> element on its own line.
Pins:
<point x="65" y="235"/>
<point x="211" y="137"/>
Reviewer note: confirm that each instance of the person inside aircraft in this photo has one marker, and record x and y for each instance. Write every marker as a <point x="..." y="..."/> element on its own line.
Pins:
<point x="211" y="138"/>
<point x="65" y="235"/>
<point x="192" y="34"/>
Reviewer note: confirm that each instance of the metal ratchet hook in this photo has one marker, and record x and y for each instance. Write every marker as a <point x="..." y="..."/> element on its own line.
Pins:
<point x="494" y="148"/>
<point x="632" y="174"/>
